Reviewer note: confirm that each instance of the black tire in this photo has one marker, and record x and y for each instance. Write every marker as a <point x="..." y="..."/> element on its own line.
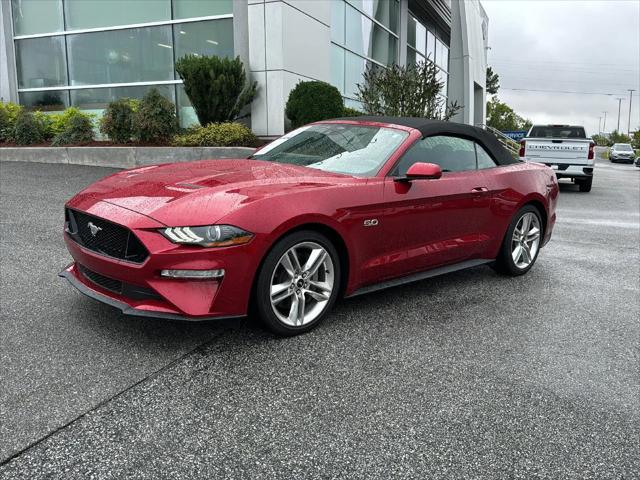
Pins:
<point x="585" y="185"/>
<point x="262" y="293"/>
<point x="504" y="263"/>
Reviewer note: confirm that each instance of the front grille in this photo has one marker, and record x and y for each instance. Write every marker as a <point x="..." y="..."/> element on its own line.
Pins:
<point x="102" y="281"/>
<point x="104" y="237"/>
<point x="116" y="286"/>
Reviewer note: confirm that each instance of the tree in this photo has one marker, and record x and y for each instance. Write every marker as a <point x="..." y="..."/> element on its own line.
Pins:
<point x="600" y="140"/>
<point x="493" y="81"/>
<point x="411" y="91"/>
<point x="635" y="140"/>
<point x="217" y="87"/>
<point x="617" y="137"/>
<point x="502" y="117"/>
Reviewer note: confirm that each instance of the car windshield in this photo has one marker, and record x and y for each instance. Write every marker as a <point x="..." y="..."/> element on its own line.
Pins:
<point x="557" y="131"/>
<point x="623" y="147"/>
<point x="349" y="149"/>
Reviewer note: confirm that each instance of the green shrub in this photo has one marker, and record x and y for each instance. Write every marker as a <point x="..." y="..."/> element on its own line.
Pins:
<point x="216" y="86"/>
<point x="8" y="115"/>
<point x="78" y="129"/>
<point x="217" y="135"/>
<point x="313" y="101"/>
<point x="117" y="120"/>
<point x="45" y="123"/>
<point x="155" y="119"/>
<point x="351" y="112"/>
<point x="27" y="130"/>
<point x="4" y="125"/>
<point x="59" y="121"/>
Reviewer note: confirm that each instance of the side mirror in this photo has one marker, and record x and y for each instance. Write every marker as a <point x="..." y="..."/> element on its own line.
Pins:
<point x="422" y="171"/>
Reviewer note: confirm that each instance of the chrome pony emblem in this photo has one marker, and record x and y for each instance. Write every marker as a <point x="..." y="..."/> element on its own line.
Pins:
<point x="94" y="228"/>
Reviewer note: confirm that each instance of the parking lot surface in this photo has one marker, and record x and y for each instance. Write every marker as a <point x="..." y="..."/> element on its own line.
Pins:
<point x="467" y="375"/>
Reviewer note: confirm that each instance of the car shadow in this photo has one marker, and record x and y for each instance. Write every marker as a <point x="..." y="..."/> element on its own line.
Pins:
<point x="566" y="187"/>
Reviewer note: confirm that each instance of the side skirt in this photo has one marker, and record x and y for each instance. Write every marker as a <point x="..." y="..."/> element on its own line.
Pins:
<point x="415" y="277"/>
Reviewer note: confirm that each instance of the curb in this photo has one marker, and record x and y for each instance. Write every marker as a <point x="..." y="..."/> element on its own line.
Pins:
<point x="119" y="157"/>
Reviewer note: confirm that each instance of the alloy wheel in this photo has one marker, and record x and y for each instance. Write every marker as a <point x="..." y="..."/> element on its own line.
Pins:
<point x="302" y="283"/>
<point x="525" y="240"/>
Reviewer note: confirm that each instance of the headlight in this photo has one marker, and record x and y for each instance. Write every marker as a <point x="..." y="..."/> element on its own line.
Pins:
<point x="208" y="236"/>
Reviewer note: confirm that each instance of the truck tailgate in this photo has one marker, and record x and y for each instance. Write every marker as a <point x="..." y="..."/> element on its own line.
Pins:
<point x="547" y="150"/>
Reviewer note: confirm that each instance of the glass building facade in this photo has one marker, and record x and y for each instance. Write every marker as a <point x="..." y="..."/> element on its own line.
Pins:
<point x="363" y="33"/>
<point x="366" y="33"/>
<point x="426" y="43"/>
<point x="86" y="53"/>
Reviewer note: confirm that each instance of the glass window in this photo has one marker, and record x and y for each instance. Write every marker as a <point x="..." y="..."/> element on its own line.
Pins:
<point x="337" y="21"/>
<point x="431" y="46"/>
<point x="453" y="154"/>
<point x="36" y="16"/>
<point x="442" y="55"/>
<point x="340" y="148"/>
<point x="119" y="56"/>
<point x="212" y="37"/>
<point x="484" y="159"/>
<point x="443" y="77"/>
<point x="355" y="66"/>
<point x="186" y="112"/>
<point x="368" y="39"/>
<point x="48" y="101"/>
<point x="384" y="11"/>
<point x="95" y="100"/>
<point x="412" y="56"/>
<point x="549" y="131"/>
<point x="337" y="67"/>
<point x="421" y="38"/>
<point x="109" y="13"/>
<point x="201" y="8"/>
<point x="40" y="62"/>
<point x="355" y="104"/>
<point x="411" y="31"/>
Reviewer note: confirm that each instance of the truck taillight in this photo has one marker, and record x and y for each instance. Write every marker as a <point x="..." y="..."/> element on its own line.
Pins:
<point x="522" y="147"/>
<point x="592" y="152"/>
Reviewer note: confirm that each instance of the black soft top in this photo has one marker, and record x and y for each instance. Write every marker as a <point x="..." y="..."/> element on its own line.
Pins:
<point x="429" y="128"/>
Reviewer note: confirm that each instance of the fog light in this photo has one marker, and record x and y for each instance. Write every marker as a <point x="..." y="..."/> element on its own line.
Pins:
<point x="193" y="274"/>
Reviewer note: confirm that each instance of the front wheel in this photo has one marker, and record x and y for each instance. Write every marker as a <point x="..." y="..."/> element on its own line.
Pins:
<point x="298" y="283"/>
<point x="521" y="243"/>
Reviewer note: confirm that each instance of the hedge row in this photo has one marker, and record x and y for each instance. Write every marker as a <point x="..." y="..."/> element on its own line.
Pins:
<point x="23" y="127"/>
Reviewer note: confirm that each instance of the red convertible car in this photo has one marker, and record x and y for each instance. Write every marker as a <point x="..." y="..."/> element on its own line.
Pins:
<point x="333" y="209"/>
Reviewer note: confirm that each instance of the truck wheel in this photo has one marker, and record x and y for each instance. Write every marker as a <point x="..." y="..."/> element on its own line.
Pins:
<point x="585" y="185"/>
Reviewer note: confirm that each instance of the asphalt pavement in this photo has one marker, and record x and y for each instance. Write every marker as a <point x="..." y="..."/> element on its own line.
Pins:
<point x="469" y="375"/>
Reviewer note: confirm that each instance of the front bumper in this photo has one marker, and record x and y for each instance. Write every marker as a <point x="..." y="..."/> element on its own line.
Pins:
<point x="143" y="309"/>
<point x="618" y="158"/>
<point x="172" y="298"/>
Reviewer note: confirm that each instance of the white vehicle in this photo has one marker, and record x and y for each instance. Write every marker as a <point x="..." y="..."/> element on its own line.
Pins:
<point x="622" y="152"/>
<point x="564" y="148"/>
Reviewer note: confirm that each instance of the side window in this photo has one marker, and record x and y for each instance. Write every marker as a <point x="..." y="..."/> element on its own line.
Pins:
<point x="453" y="154"/>
<point x="484" y="159"/>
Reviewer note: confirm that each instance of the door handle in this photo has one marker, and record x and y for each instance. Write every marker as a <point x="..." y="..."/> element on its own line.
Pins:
<point x="479" y="190"/>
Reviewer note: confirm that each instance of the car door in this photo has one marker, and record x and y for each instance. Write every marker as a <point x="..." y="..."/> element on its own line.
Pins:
<point x="430" y="223"/>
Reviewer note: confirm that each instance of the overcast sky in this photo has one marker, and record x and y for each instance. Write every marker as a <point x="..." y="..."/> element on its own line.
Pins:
<point x="575" y="46"/>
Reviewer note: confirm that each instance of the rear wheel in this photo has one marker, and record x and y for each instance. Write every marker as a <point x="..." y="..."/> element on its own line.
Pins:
<point x="585" y="184"/>
<point x="521" y="243"/>
<point x="298" y="283"/>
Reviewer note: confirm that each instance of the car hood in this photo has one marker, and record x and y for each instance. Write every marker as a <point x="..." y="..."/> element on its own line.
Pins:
<point x="198" y="193"/>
